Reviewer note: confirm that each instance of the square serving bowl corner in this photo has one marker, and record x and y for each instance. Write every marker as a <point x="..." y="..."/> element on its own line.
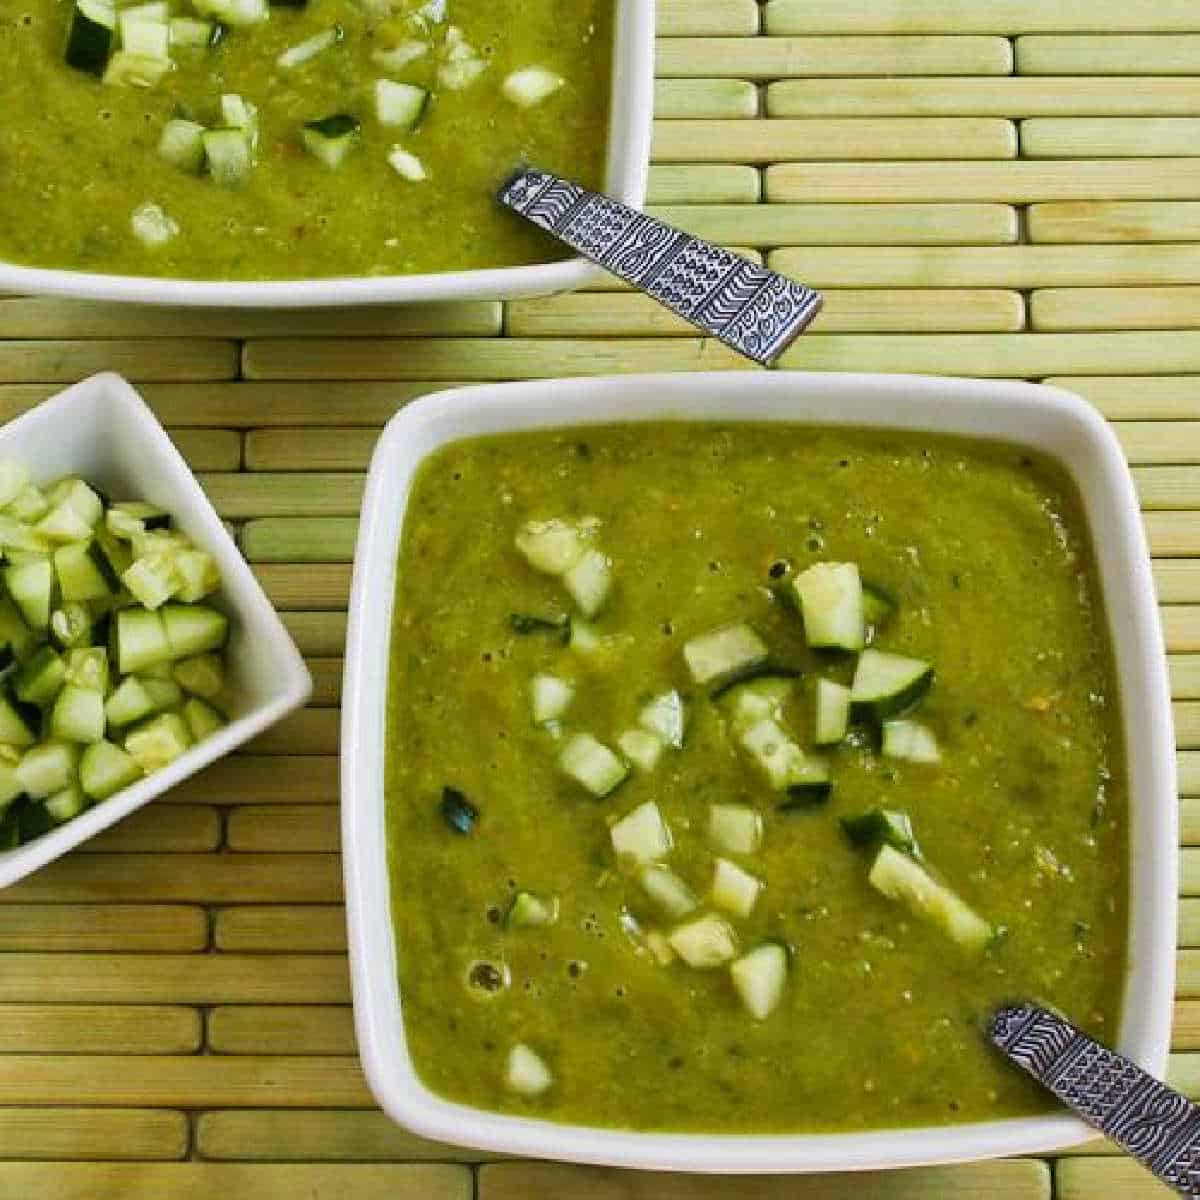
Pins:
<point x="1053" y="422"/>
<point x="102" y="430"/>
<point x="627" y="167"/>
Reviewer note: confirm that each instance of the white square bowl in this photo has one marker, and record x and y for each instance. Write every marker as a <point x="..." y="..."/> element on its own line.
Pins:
<point x="1053" y="422"/>
<point x="631" y="112"/>
<point x="102" y="430"/>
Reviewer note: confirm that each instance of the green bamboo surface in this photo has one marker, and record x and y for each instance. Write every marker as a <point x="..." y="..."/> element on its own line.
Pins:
<point x="1008" y="188"/>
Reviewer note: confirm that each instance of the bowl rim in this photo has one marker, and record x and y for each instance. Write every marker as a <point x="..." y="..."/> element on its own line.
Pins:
<point x="128" y="413"/>
<point x="943" y="404"/>
<point x="626" y="176"/>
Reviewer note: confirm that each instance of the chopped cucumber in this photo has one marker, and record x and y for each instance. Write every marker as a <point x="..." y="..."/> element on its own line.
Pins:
<point x="142" y="36"/>
<point x="130" y="702"/>
<point x="202" y="719"/>
<point x="668" y="891"/>
<point x="902" y="879"/>
<point x="592" y="764"/>
<point x="331" y="138"/>
<point x="706" y="943"/>
<point x="833" y="712"/>
<point x="157" y="742"/>
<point x="153" y="579"/>
<point x="10" y="784"/>
<point x="16" y="535"/>
<point x="191" y="33"/>
<point x="105" y="769"/>
<point x="550" y="697"/>
<point x="40" y="678"/>
<point x="734" y="889"/>
<point x="589" y="581"/>
<point x="666" y="717"/>
<point x="758" y="700"/>
<point x="641" y="836"/>
<point x="182" y="145"/>
<point x="14" y="633"/>
<point x="228" y="155"/>
<point x="87" y="667"/>
<point x="530" y="86"/>
<point x="152" y="226"/>
<point x="18" y="723"/>
<point x="785" y="765"/>
<point x="910" y="740"/>
<point x="584" y="638"/>
<point x="193" y="629"/>
<point x="141" y="640"/>
<point x="831" y="604"/>
<point x="31" y="585"/>
<point x="810" y="786"/>
<point x="310" y="48"/>
<point x="84" y="573"/>
<point x="163" y="693"/>
<point x="396" y="58"/>
<point x="886" y="684"/>
<point x="135" y="70"/>
<point x="735" y="828"/>
<point x="77" y="715"/>
<point x="720" y="656"/>
<point x="526" y="1073"/>
<point x="878" y="609"/>
<point x="234" y="12"/>
<point x="14" y="478"/>
<point x="528" y="911"/>
<point x="30" y="504"/>
<point x="553" y="547"/>
<point x="68" y="803"/>
<point x="882" y="827"/>
<point x="74" y="494"/>
<point x="399" y="105"/>
<point x="641" y="748"/>
<point x="90" y="38"/>
<point x="203" y="676"/>
<point x="47" y="768"/>
<point x="759" y="978"/>
<point x="407" y="166"/>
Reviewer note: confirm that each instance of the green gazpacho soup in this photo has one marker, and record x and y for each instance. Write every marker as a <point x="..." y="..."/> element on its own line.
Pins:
<point x="242" y="139"/>
<point x="737" y="772"/>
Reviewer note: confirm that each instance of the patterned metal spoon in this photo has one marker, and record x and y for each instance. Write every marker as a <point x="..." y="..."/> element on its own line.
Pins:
<point x="1155" y="1124"/>
<point x="757" y="312"/>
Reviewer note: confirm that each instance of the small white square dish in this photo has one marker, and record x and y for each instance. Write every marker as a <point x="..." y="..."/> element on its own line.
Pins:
<point x="631" y="110"/>
<point x="102" y="430"/>
<point x="1057" y="425"/>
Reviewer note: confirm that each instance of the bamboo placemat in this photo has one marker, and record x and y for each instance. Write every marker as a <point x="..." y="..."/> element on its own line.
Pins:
<point x="986" y="187"/>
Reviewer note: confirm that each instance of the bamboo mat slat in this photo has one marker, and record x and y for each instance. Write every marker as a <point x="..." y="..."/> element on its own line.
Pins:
<point x="306" y="929"/>
<point x="781" y="57"/>
<point x="1008" y="188"/>
<point x="1108" y="54"/>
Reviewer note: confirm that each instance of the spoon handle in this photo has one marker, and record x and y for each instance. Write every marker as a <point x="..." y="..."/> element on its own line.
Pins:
<point x="1151" y="1121"/>
<point x="757" y="312"/>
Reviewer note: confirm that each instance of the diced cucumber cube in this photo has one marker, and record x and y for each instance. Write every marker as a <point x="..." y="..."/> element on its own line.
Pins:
<point x="29" y="504"/>
<point x="530" y="86"/>
<point x="40" y="678"/>
<point x="911" y="741"/>
<point x="831" y="603"/>
<point x="202" y="719"/>
<point x="163" y="693"/>
<point x="48" y="768"/>
<point x="641" y="836"/>
<point x="642" y="748"/>
<point x="407" y="166"/>
<point x="16" y="535"/>
<point x="734" y="889"/>
<point x="141" y="640"/>
<point x="157" y="742"/>
<point x="759" y="978"/>
<point x="668" y="891"/>
<point x="721" y="655"/>
<point x="78" y="715"/>
<point x="194" y="629"/>
<point x="902" y="879"/>
<point x="65" y="805"/>
<point x="886" y="684"/>
<point x="550" y="697"/>
<point x="833" y="712"/>
<point x="589" y="581"/>
<point x="71" y="625"/>
<point x="75" y="494"/>
<point x="305" y="51"/>
<point x="552" y="546"/>
<point x="182" y="145"/>
<point x="153" y="580"/>
<point x="706" y="943"/>
<point x="31" y="585"/>
<point x="883" y="827"/>
<point x="105" y="769"/>
<point x="203" y="675"/>
<point x="399" y="105"/>
<point x="526" y="1072"/>
<point x="84" y="573"/>
<point x="735" y="828"/>
<point x="87" y="667"/>
<point x="528" y="911"/>
<point x="592" y="764"/>
<point x="666" y="716"/>
<point x="129" y="703"/>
